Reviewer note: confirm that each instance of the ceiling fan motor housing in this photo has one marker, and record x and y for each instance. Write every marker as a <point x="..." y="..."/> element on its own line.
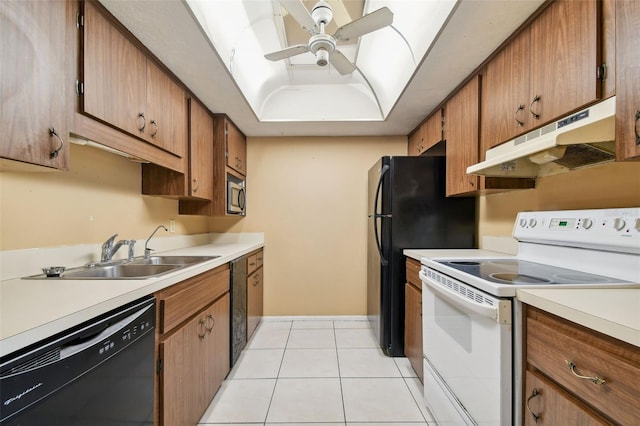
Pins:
<point x="322" y="45"/>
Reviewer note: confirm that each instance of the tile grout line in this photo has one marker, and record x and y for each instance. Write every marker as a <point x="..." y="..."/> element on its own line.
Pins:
<point x="344" y="409"/>
<point x="286" y="343"/>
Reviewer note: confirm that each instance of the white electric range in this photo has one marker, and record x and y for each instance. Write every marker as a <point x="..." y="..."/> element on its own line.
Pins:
<point x="472" y="322"/>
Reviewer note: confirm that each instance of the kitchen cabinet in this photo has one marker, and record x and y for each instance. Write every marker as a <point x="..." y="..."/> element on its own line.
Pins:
<point x="255" y="291"/>
<point x="35" y="38"/>
<point x="580" y="376"/>
<point x="192" y="345"/>
<point x="229" y="158"/>
<point x="548" y="70"/>
<point x="413" y="317"/>
<point x="426" y="135"/>
<point x="627" y="80"/>
<point x="236" y="145"/>
<point x="124" y="88"/>
<point x="197" y="181"/>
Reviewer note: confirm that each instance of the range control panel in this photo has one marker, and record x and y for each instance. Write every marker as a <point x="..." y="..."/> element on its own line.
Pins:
<point x="606" y="229"/>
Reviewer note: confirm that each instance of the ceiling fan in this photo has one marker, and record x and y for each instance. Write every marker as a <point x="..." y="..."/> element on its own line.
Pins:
<point x="323" y="45"/>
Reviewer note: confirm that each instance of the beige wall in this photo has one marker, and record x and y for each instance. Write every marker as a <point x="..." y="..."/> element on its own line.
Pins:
<point x="309" y="197"/>
<point x="606" y="186"/>
<point x="100" y="196"/>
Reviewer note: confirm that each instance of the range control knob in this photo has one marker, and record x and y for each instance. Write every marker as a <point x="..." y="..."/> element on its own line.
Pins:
<point x="587" y="223"/>
<point x="533" y="223"/>
<point x="619" y="223"/>
<point x="522" y="222"/>
<point x="638" y="224"/>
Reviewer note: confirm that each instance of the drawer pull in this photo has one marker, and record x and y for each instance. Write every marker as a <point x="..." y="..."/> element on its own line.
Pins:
<point x="572" y="367"/>
<point x="202" y="329"/>
<point x="535" y="392"/>
<point x="211" y="321"/>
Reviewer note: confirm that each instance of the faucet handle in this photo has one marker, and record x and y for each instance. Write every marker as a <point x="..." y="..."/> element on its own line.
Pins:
<point x="130" y="243"/>
<point x="109" y="242"/>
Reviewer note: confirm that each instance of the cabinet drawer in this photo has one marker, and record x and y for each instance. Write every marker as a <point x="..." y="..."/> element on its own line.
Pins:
<point x="552" y="406"/>
<point x="413" y="268"/>
<point x="553" y="342"/>
<point x="179" y="302"/>
<point x="259" y="259"/>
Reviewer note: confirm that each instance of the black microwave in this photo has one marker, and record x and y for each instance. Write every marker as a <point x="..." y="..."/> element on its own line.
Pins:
<point x="236" y="195"/>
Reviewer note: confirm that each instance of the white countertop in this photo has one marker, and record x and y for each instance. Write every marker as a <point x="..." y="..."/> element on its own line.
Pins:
<point x="31" y="310"/>
<point x="614" y="312"/>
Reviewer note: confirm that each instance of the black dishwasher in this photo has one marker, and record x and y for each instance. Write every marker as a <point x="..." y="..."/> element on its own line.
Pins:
<point x="100" y="372"/>
<point x="238" y="322"/>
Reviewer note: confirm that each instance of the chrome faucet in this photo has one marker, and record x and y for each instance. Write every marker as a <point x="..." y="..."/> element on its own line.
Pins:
<point x="147" y="250"/>
<point x="109" y="248"/>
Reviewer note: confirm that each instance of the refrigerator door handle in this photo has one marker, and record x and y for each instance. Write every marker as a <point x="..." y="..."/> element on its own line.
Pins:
<point x="377" y="215"/>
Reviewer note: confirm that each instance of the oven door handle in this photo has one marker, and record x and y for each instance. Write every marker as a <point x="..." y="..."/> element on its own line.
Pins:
<point x="461" y="301"/>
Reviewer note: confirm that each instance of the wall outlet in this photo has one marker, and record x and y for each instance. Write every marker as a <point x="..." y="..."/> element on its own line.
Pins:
<point x="172" y="226"/>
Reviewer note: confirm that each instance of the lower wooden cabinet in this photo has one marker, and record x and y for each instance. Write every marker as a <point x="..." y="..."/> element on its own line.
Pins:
<point x="193" y="346"/>
<point x="581" y="376"/>
<point x="255" y="292"/>
<point x="413" y="317"/>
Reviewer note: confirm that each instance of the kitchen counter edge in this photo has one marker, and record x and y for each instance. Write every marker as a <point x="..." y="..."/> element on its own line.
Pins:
<point x="33" y="310"/>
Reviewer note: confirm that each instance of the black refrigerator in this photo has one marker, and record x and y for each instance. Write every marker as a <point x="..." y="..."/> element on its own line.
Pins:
<point x="408" y="209"/>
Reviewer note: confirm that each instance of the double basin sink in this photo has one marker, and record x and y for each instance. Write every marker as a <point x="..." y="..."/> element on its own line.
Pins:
<point x="139" y="268"/>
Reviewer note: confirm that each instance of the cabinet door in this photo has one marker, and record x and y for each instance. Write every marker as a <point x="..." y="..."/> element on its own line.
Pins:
<point x="432" y="130"/>
<point x="505" y="88"/>
<point x="546" y="404"/>
<point x="413" y="328"/>
<point x="183" y="384"/>
<point x="166" y="110"/>
<point x="563" y="60"/>
<point x="201" y="151"/>
<point x="627" y="79"/>
<point x="255" y="290"/>
<point x="114" y="75"/>
<point x="34" y="49"/>
<point x="236" y="148"/>
<point x="461" y="133"/>
<point x="416" y="142"/>
<point x="216" y="361"/>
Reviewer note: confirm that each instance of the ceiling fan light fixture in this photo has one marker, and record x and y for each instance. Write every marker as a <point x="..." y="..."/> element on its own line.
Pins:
<point x="322" y="57"/>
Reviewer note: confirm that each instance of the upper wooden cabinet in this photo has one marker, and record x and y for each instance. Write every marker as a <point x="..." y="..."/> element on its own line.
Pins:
<point x="125" y="89"/>
<point x="35" y="38"/>
<point x="627" y="79"/>
<point x="462" y="118"/>
<point x="548" y="70"/>
<point x="426" y="135"/>
<point x="197" y="181"/>
<point x="236" y="146"/>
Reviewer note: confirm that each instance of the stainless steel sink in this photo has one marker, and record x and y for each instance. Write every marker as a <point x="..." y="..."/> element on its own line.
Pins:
<point x="172" y="260"/>
<point x="115" y="272"/>
<point x="128" y="270"/>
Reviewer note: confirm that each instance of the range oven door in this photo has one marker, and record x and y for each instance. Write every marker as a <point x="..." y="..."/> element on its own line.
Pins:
<point x="467" y="344"/>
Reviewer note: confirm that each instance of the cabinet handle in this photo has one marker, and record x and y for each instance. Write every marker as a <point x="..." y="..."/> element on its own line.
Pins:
<point x="595" y="379"/>
<point x="55" y="152"/>
<point x="144" y="122"/>
<point x="202" y="329"/>
<point x="534" y="393"/>
<point x="195" y="185"/>
<point x="252" y="264"/>
<point x="635" y="127"/>
<point x="256" y="280"/>
<point x="211" y="321"/>
<point x="156" y="128"/>
<point x="535" y="99"/>
<point x="515" y="116"/>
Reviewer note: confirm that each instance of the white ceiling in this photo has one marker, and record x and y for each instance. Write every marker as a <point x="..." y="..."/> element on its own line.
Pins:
<point x="473" y="31"/>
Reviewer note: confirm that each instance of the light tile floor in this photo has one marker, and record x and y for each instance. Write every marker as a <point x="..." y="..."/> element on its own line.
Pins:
<point x="323" y="372"/>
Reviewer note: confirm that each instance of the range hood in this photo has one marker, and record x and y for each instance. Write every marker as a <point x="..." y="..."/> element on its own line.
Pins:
<point x="583" y="139"/>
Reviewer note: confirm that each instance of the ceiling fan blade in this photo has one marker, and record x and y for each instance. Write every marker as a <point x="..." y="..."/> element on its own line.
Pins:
<point x="301" y="14"/>
<point x="367" y="24"/>
<point x="341" y="63"/>
<point x="287" y="53"/>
